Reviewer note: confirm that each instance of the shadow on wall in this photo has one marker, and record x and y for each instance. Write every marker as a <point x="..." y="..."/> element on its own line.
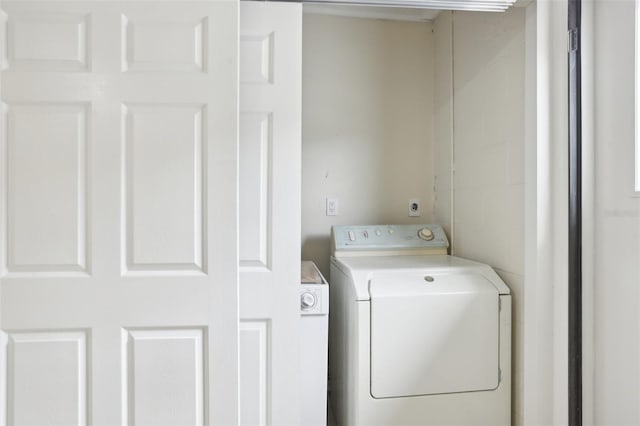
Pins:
<point x="317" y="248"/>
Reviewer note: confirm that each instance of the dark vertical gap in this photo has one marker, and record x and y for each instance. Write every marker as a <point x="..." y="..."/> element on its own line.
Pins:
<point x="575" y="217"/>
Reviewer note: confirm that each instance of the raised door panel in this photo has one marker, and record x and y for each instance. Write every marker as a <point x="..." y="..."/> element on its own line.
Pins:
<point x="163" y="221"/>
<point x="255" y="344"/>
<point x="270" y="148"/>
<point x="163" y="372"/>
<point x="256" y="57"/>
<point x="169" y="43"/>
<point x="46" y="170"/>
<point x="48" y="42"/>
<point x="47" y="370"/>
<point x="255" y="181"/>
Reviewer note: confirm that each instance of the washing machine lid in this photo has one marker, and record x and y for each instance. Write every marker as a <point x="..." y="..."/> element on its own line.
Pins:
<point x="361" y="270"/>
<point x="433" y="334"/>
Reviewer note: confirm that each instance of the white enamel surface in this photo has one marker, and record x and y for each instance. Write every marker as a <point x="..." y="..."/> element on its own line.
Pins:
<point x="314" y="334"/>
<point x="430" y="337"/>
<point x="401" y="239"/>
<point x="269" y="215"/>
<point x="313" y="360"/>
<point x="118" y="213"/>
<point x="363" y="269"/>
<point x="350" y="363"/>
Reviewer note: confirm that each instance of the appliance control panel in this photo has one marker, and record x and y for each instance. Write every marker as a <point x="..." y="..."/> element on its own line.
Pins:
<point x="426" y="238"/>
<point x="314" y="299"/>
<point x="314" y="290"/>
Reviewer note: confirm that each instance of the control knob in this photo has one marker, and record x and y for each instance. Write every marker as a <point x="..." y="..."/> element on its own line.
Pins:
<point x="307" y="300"/>
<point x="425" y="234"/>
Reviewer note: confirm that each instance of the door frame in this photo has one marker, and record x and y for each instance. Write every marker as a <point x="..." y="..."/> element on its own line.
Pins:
<point x="546" y="323"/>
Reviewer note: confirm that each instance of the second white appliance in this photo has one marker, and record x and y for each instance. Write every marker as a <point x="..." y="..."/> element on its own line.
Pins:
<point x="314" y="331"/>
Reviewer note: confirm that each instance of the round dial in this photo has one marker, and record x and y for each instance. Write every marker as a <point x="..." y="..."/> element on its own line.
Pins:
<point x="425" y="234"/>
<point x="307" y="300"/>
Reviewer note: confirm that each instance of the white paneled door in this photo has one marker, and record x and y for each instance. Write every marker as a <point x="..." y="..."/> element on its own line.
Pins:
<point x="270" y="143"/>
<point x="118" y="194"/>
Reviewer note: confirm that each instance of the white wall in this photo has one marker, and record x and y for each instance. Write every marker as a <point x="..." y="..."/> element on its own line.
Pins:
<point x="487" y="143"/>
<point x="367" y="103"/>
<point x="617" y="220"/>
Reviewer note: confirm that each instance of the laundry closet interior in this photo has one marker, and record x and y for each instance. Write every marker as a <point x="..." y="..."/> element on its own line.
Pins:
<point x="411" y="104"/>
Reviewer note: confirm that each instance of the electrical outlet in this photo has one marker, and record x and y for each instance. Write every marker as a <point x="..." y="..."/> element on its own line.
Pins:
<point x="414" y="207"/>
<point x="332" y="207"/>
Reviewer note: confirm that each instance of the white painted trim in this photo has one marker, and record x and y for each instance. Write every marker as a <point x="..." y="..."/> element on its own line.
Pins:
<point x="452" y="152"/>
<point x="531" y="395"/>
<point x="536" y="407"/>
<point x="464" y="5"/>
<point x="546" y="167"/>
<point x="587" y="35"/>
<point x="372" y="12"/>
<point x="637" y="101"/>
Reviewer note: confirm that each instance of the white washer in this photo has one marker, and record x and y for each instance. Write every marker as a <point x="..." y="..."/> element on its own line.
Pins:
<point x="314" y="311"/>
<point x="416" y="337"/>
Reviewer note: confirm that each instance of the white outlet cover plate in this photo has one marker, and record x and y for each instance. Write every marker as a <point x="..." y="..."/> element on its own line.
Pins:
<point x="414" y="212"/>
<point x="332" y="207"/>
